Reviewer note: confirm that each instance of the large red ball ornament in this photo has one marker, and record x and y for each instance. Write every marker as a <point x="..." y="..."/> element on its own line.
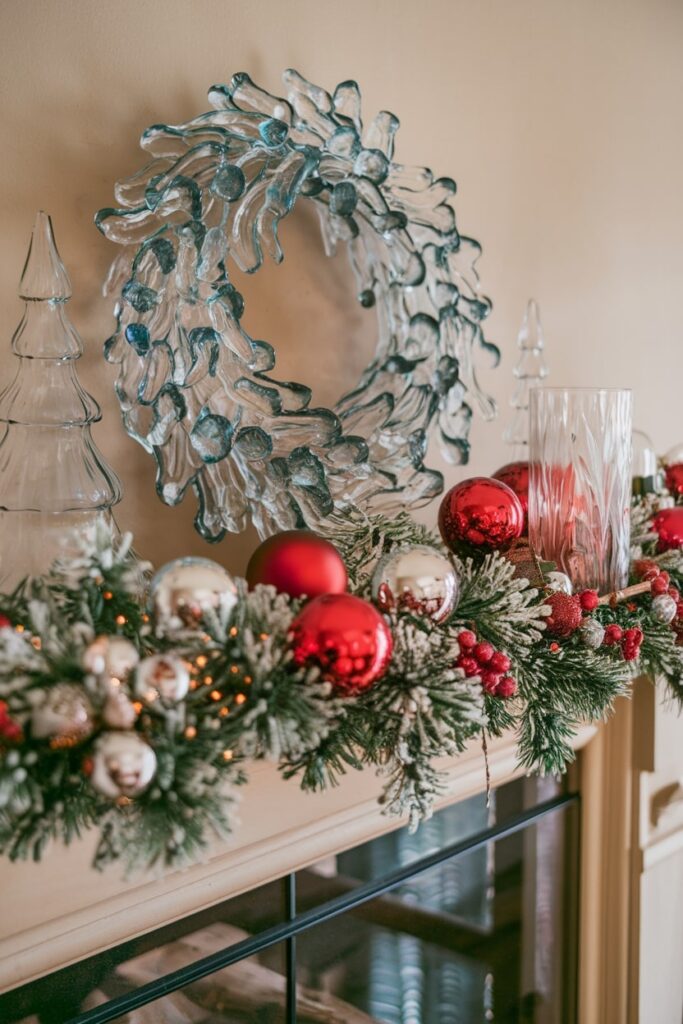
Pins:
<point x="480" y="514"/>
<point x="298" y="563"/>
<point x="674" y="479"/>
<point x="669" y="525"/>
<point x="516" y="476"/>
<point x="346" y="637"/>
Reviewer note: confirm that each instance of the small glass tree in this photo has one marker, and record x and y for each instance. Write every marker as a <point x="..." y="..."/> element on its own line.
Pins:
<point x="530" y="370"/>
<point x="54" y="482"/>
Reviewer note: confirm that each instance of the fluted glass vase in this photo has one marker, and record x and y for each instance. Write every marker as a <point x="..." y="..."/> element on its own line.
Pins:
<point x="580" y="483"/>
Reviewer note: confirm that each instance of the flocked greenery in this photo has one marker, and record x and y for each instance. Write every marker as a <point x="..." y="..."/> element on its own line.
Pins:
<point x="249" y="700"/>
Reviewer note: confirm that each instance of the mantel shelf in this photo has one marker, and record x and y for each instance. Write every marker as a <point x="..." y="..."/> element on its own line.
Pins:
<point x="61" y="910"/>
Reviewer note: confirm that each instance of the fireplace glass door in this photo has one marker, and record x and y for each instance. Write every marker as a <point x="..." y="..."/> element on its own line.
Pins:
<point x="472" y="918"/>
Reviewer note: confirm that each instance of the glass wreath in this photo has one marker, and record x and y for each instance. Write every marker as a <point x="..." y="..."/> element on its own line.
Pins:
<point x="197" y="391"/>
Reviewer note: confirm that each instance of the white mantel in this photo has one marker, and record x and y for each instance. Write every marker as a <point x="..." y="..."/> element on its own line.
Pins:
<point x="61" y="910"/>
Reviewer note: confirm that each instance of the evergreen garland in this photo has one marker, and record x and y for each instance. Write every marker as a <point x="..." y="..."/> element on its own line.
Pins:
<point x="247" y="698"/>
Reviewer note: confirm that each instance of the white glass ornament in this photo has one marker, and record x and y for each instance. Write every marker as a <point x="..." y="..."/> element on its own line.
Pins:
<point x="164" y="676"/>
<point x="184" y="590"/>
<point x="123" y="765"/>
<point x="110" y="656"/>
<point x="559" y="581"/>
<point x="64" y="715"/>
<point x="592" y="633"/>
<point x="664" y="608"/>
<point x="118" y="711"/>
<point x="417" y="579"/>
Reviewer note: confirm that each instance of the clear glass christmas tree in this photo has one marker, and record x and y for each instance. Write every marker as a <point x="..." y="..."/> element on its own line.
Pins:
<point x="54" y="482"/>
<point x="530" y="370"/>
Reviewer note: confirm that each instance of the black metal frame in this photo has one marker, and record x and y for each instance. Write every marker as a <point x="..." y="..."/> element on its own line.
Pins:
<point x="293" y="923"/>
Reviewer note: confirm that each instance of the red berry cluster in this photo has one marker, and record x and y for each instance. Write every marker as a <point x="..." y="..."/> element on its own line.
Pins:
<point x="480" y="658"/>
<point x="9" y="729"/>
<point x="630" y="640"/>
<point x="660" y="583"/>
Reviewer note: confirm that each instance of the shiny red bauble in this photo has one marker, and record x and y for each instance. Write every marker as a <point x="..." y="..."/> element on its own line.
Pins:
<point x="516" y="476"/>
<point x="298" y="563"/>
<point x="674" y="479"/>
<point x="346" y="637"/>
<point x="668" y="524"/>
<point x="480" y="514"/>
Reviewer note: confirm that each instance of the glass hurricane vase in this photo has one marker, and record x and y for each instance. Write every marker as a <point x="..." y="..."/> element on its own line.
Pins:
<point x="580" y="483"/>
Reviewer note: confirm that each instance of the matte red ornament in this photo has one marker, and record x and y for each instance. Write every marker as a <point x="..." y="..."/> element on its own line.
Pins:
<point x="674" y="479"/>
<point x="298" y="563"/>
<point x="480" y="514"/>
<point x="346" y="637"/>
<point x="669" y="525"/>
<point x="566" y="615"/>
<point x="516" y="476"/>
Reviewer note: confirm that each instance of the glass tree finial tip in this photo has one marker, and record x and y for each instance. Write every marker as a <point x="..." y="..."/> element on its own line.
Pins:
<point x="44" y="276"/>
<point x="531" y="333"/>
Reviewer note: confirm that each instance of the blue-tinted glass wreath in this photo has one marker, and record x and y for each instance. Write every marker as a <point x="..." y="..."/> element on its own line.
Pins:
<point x="196" y="390"/>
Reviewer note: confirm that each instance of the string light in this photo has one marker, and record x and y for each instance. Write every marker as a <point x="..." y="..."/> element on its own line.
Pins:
<point x="201" y="660"/>
<point x="19" y="628"/>
<point x="227" y="755"/>
<point x="138" y="706"/>
<point x="240" y="698"/>
<point x="247" y="680"/>
<point x="107" y="595"/>
<point x="190" y="732"/>
<point x="224" y="712"/>
<point x="208" y="680"/>
<point x="265" y="636"/>
<point x="37" y="642"/>
<point x="215" y="695"/>
<point x="233" y="631"/>
<point x="120" y="620"/>
<point x="234" y="669"/>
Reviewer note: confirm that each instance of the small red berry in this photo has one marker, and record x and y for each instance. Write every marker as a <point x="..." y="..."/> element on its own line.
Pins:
<point x="589" y="600"/>
<point x="554" y="647"/>
<point x="630" y="651"/>
<point x="467" y="639"/>
<point x="483" y="652"/>
<point x="4" y="622"/>
<point x="613" y="634"/>
<point x="634" y="635"/>
<point x="660" y="585"/>
<point x="507" y="687"/>
<point x="490" y="681"/>
<point x="469" y="665"/>
<point x="500" y="662"/>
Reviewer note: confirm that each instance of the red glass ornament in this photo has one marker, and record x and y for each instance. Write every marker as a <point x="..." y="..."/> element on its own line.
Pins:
<point x="669" y="525"/>
<point x="346" y="637"/>
<point x="298" y="563"/>
<point x="674" y="478"/>
<point x="480" y="513"/>
<point x="516" y="476"/>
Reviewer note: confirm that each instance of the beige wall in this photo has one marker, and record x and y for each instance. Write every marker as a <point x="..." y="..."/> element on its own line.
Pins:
<point x="560" y="121"/>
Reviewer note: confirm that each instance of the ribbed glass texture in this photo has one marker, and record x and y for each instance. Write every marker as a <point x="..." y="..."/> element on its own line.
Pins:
<point x="54" y="483"/>
<point x="580" y="483"/>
